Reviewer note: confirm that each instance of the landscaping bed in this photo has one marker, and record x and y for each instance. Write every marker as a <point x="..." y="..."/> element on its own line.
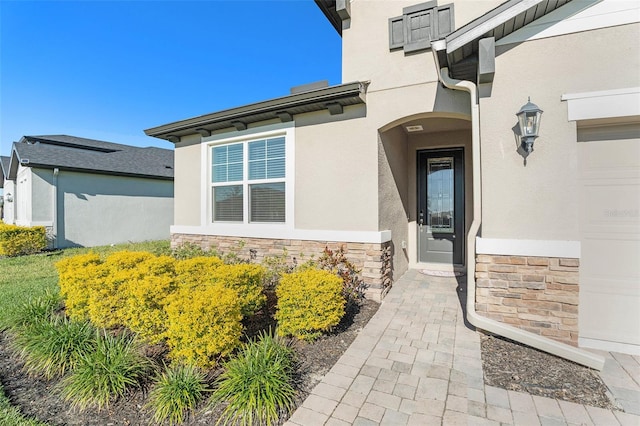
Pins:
<point x="37" y="398"/>
<point x="513" y="366"/>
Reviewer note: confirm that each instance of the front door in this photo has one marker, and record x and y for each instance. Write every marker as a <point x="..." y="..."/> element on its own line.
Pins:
<point x="441" y="206"/>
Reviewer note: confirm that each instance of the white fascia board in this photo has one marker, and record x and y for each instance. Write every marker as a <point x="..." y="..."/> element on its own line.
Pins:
<point x="577" y="16"/>
<point x="282" y="232"/>
<point x="534" y="248"/>
<point x="603" y="104"/>
<point x="491" y="23"/>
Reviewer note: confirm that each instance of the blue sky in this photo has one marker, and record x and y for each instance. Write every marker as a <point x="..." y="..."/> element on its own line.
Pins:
<point x="110" y="69"/>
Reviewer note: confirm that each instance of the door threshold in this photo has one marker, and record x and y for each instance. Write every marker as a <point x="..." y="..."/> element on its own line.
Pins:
<point x="444" y="267"/>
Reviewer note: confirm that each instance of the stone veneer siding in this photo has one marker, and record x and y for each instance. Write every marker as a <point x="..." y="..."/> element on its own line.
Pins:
<point x="536" y="294"/>
<point x="374" y="260"/>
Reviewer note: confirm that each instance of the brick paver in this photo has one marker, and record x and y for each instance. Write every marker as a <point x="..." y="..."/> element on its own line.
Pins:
<point x="417" y="363"/>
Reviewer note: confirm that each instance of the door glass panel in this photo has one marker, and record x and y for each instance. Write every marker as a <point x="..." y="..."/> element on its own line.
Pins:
<point x="440" y="193"/>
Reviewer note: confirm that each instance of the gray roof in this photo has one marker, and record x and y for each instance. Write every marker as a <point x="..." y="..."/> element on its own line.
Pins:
<point x="92" y="156"/>
<point x="4" y="169"/>
<point x="332" y="98"/>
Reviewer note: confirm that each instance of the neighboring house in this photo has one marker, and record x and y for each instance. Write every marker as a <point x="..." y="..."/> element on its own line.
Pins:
<point x="417" y="161"/>
<point x="88" y="192"/>
<point x="7" y="188"/>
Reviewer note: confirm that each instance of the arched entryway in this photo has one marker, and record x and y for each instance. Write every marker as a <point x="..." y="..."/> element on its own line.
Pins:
<point x="425" y="189"/>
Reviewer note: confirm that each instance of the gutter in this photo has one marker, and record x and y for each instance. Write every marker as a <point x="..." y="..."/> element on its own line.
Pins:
<point x="562" y="350"/>
<point x="56" y="171"/>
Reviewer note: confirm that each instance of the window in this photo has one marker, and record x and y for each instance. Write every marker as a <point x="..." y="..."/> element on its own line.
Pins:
<point x="248" y="181"/>
<point x="419" y="25"/>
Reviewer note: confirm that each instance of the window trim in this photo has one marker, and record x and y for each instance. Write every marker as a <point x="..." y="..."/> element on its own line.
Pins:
<point x="285" y="130"/>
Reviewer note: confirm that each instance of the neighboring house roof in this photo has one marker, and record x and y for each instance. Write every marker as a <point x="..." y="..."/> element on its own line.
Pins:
<point x="4" y="169"/>
<point x="92" y="156"/>
<point x="332" y="98"/>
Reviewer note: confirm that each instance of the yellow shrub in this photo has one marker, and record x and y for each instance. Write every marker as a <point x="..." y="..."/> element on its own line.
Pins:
<point x="78" y="277"/>
<point x="203" y="324"/>
<point x="146" y="297"/>
<point x="247" y="280"/>
<point x="107" y="301"/>
<point x="309" y="303"/>
<point x="196" y="271"/>
<point x="20" y="240"/>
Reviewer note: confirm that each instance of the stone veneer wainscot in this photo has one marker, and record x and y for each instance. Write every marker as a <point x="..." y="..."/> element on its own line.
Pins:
<point x="374" y="260"/>
<point x="536" y="294"/>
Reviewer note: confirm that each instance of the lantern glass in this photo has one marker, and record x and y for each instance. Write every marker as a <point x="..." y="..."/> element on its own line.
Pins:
<point x="529" y="120"/>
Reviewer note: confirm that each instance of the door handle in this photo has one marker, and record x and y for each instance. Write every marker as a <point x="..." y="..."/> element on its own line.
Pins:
<point x="421" y="218"/>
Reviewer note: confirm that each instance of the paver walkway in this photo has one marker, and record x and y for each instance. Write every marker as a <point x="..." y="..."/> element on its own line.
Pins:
<point x="417" y="363"/>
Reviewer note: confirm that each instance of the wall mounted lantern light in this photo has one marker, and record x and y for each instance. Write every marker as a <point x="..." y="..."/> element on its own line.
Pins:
<point x="529" y="124"/>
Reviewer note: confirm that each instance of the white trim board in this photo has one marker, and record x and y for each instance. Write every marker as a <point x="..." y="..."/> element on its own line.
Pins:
<point x="603" y="104"/>
<point x="536" y="248"/>
<point x="281" y="232"/>
<point x="605" y="345"/>
<point x="577" y="16"/>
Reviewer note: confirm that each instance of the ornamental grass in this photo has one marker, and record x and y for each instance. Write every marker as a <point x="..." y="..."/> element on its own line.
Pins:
<point x="257" y="385"/>
<point x="107" y="373"/>
<point x="177" y="392"/>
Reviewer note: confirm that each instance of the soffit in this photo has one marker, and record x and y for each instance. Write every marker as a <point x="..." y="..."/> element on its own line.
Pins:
<point x="461" y="54"/>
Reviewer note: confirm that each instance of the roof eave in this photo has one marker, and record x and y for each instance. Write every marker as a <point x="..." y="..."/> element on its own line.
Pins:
<point x="97" y="172"/>
<point x="279" y="108"/>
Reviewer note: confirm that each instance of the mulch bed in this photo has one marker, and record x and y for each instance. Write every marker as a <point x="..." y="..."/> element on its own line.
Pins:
<point x="37" y="398"/>
<point x="513" y="366"/>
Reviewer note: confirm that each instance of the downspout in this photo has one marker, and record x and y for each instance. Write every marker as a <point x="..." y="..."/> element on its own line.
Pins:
<point x="562" y="350"/>
<point x="56" y="171"/>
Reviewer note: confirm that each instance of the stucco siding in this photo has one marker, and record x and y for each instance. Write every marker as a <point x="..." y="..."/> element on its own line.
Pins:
<point x="539" y="200"/>
<point x="188" y="182"/>
<point x="8" y="214"/>
<point x="42" y="196"/>
<point x="365" y="44"/>
<point x="336" y="176"/>
<point x="96" y="210"/>
<point x="393" y="194"/>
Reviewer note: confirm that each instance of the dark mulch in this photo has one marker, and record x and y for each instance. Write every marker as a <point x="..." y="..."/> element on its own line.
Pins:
<point x="38" y="398"/>
<point x="512" y="366"/>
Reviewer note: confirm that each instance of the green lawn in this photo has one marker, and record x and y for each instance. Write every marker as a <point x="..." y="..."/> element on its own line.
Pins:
<point x="29" y="276"/>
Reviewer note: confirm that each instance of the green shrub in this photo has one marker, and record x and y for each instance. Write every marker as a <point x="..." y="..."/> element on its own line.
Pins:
<point x="310" y="302"/>
<point x="21" y="240"/>
<point x="105" y="374"/>
<point x="177" y="391"/>
<point x="108" y="296"/>
<point x="196" y="271"/>
<point x="203" y="324"/>
<point x="257" y="384"/>
<point x="51" y="348"/>
<point x="246" y="280"/>
<point x="146" y="296"/>
<point x="78" y="276"/>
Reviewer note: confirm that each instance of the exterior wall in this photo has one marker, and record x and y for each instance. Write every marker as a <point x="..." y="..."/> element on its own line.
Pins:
<point x="539" y="201"/>
<point x="365" y="43"/>
<point x="187" y="176"/>
<point x="372" y="259"/>
<point x="335" y="172"/>
<point x="22" y="196"/>
<point x="97" y="210"/>
<point x="42" y="197"/>
<point x="393" y="194"/>
<point x="9" y="207"/>
<point x="536" y="294"/>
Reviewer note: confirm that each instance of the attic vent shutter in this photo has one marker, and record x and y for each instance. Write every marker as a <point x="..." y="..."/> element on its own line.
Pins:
<point x="419" y="25"/>
<point x="445" y="20"/>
